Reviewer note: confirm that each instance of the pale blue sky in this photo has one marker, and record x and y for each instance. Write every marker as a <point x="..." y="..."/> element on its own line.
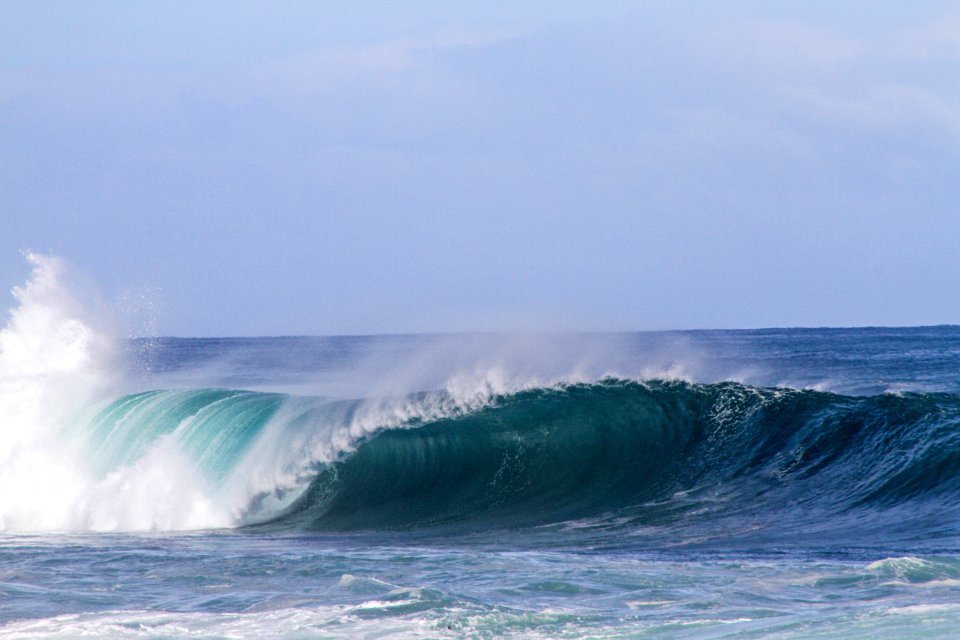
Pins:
<point x="261" y="168"/>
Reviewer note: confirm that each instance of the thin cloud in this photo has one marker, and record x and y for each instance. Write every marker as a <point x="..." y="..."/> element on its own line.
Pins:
<point x="885" y="107"/>
<point x="936" y="39"/>
<point x="781" y="44"/>
<point x="389" y="56"/>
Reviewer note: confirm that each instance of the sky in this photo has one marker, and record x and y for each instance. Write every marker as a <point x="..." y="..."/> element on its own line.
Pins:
<point x="315" y="168"/>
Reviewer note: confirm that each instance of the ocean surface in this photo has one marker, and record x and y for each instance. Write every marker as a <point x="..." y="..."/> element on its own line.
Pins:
<point x="779" y="483"/>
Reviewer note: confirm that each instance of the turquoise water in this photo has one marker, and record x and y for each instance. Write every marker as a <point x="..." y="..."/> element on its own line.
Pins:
<point x="726" y="484"/>
<point x="218" y="585"/>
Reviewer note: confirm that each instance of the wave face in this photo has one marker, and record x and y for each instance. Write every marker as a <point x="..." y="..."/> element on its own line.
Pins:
<point x="650" y="453"/>
<point x="535" y="456"/>
<point x="672" y="455"/>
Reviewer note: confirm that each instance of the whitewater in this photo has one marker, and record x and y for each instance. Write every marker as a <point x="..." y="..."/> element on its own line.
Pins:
<point x="779" y="483"/>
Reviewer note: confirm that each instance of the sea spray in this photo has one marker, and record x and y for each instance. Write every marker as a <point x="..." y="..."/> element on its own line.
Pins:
<point x="76" y="453"/>
<point x="57" y="358"/>
<point x="54" y="360"/>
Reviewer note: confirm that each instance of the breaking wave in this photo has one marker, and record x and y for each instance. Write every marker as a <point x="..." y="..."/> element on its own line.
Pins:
<point x="77" y="455"/>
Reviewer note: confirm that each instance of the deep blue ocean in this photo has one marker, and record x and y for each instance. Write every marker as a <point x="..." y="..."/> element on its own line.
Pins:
<point x="781" y="483"/>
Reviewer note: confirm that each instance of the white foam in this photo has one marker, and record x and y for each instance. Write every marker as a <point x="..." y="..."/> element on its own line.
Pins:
<point x="56" y="358"/>
<point x="53" y="361"/>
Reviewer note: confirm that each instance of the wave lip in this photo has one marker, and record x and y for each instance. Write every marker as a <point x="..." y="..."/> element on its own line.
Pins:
<point x="529" y="457"/>
<point x="660" y="453"/>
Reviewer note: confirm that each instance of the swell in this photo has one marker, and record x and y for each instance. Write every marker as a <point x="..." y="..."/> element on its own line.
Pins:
<point x="647" y="453"/>
<point x="638" y="454"/>
<point x="538" y="455"/>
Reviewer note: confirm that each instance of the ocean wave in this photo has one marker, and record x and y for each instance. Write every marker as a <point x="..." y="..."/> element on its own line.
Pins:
<point x="650" y="453"/>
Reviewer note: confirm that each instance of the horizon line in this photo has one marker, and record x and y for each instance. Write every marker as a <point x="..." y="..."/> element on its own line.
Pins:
<point x="412" y="334"/>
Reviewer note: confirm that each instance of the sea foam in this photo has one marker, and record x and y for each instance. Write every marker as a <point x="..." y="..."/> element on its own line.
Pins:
<point x="58" y="357"/>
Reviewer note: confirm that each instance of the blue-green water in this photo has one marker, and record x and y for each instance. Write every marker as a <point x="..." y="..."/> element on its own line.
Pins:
<point x="725" y="484"/>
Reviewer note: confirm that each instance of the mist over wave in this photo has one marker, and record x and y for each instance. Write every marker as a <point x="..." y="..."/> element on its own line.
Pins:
<point x="623" y="431"/>
<point x="89" y="443"/>
<point x="78" y="452"/>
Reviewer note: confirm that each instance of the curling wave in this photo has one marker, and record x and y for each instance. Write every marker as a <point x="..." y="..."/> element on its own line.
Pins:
<point x="652" y="453"/>
<point x="658" y="452"/>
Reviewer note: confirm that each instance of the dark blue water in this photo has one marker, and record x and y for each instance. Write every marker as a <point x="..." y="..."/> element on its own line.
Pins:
<point x="787" y="483"/>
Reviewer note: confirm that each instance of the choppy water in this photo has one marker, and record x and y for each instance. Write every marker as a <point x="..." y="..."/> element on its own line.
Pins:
<point x="249" y="585"/>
